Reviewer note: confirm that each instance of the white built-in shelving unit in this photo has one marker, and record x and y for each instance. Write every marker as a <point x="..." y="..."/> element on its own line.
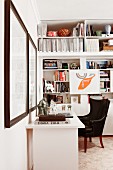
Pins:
<point x="82" y="49"/>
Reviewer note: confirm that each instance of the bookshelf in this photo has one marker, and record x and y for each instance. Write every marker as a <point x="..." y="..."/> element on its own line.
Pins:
<point x="58" y="80"/>
<point x="85" y="47"/>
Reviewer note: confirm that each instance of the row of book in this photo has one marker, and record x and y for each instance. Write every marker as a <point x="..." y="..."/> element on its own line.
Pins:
<point x="90" y="30"/>
<point x="92" y="45"/>
<point x="61" y="87"/>
<point x="61" y="75"/>
<point x="61" y="45"/>
<point x="99" y="64"/>
<point x="55" y="87"/>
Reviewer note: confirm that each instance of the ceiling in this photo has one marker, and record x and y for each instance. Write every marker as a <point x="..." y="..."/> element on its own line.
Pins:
<point x="74" y="9"/>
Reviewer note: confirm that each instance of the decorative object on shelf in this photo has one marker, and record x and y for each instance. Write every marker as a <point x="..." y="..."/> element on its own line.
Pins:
<point x="49" y="86"/>
<point x="63" y="108"/>
<point x="73" y="66"/>
<point x="65" y="65"/>
<point x="99" y="32"/>
<point x="52" y="34"/>
<point x="59" y="64"/>
<point x="74" y="99"/>
<point x="107" y="29"/>
<point x="106" y="46"/>
<point x="43" y="106"/>
<point x="69" y="107"/>
<point x="64" y="32"/>
<point x="53" y="107"/>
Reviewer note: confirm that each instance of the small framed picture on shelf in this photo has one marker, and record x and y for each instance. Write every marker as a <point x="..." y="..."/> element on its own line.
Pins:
<point x="59" y="99"/>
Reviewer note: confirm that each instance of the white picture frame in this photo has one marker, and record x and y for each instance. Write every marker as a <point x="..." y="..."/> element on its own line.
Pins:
<point x="84" y="81"/>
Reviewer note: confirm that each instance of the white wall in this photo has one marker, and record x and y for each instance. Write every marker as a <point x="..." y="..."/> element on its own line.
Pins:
<point x="13" y="140"/>
<point x="75" y="9"/>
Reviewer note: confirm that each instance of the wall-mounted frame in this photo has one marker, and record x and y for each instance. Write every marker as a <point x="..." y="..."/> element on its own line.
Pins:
<point x="32" y="76"/>
<point x="16" y="67"/>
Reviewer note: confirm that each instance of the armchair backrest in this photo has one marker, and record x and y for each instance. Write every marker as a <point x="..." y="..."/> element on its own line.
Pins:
<point x="98" y="108"/>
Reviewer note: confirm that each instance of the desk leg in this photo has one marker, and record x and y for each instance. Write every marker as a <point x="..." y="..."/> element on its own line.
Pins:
<point x="29" y="133"/>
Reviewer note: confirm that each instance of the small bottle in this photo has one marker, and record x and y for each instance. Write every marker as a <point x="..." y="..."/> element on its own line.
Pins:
<point x="110" y="65"/>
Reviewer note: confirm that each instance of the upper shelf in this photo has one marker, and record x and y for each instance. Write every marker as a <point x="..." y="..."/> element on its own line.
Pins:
<point x="108" y="55"/>
<point x="70" y="37"/>
<point x="76" y="38"/>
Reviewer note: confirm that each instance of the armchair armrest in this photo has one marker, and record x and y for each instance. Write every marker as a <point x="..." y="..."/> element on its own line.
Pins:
<point x="98" y="126"/>
<point x="97" y="121"/>
<point x="83" y="117"/>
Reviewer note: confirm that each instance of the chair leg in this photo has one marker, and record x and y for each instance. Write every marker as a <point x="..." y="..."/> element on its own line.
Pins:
<point x="90" y="139"/>
<point x="85" y="144"/>
<point x="100" y="137"/>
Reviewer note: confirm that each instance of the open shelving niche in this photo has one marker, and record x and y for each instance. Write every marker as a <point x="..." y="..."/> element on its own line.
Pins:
<point x="70" y="53"/>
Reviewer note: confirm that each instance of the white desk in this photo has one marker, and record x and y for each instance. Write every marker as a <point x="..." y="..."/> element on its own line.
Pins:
<point x="53" y="147"/>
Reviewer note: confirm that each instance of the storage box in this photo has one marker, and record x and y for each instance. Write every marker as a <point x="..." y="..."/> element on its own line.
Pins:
<point x="107" y="47"/>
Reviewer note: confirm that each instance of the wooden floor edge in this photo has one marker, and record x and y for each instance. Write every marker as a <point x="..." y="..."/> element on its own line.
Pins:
<point x="107" y="135"/>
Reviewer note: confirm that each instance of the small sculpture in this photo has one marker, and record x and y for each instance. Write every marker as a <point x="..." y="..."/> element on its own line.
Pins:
<point x="43" y="106"/>
<point x="73" y="66"/>
<point x="49" y="87"/>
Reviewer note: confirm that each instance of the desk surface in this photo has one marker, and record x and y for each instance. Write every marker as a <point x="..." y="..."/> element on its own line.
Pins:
<point x="72" y="123"/>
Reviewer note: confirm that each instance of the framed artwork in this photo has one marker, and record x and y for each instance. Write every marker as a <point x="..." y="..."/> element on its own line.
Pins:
<point x="15" y="67"/>
<point x="84" y="81"/>
<point x="20" y="64"/>
<point x="59" y="99"/>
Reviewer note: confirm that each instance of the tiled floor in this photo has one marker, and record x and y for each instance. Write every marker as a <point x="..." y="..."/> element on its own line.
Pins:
<point x="96" y="158"/>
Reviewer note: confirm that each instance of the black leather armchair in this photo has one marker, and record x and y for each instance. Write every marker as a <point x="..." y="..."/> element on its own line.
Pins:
<point x="94" y="121"/>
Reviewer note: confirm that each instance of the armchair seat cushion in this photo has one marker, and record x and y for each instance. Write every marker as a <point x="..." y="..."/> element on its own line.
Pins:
<point x="88" y="129"/>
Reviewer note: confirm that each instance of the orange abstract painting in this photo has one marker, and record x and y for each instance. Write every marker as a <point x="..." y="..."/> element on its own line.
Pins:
<point x="85" y="82"/>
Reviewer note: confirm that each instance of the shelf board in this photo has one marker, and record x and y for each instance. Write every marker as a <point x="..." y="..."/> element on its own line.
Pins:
<point x="105" y="92"/>
<point x="62" y="81"/>
<point x="69" y="37"/>
<point x="55" y="69"/>
<point x="77" y="55"/>
<point x="104" y="80"/>
<point x="56" y="93"/>
<point x="99" y="37"/>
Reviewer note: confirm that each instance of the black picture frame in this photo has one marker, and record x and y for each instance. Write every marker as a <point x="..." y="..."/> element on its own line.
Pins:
<point x="8" y="120"/>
